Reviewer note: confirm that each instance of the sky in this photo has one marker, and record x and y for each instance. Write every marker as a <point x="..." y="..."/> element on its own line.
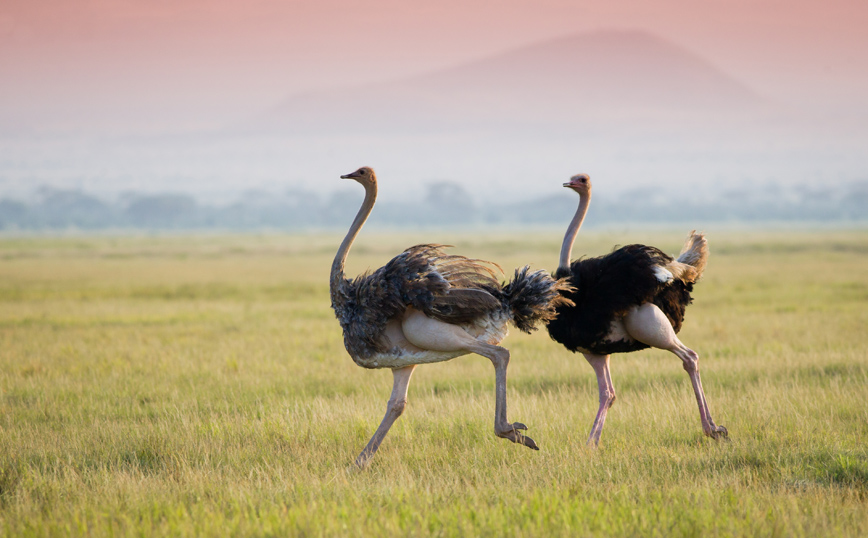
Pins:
<point x="122" y="68"/>
<point x="187" y="64"/>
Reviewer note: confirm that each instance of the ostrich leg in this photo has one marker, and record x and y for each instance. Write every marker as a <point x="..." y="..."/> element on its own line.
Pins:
<point x="430" y="334"/>
<point x="397" y="402"/>
<point x="690" y="361"/>
<point x="600" y="364"/>
<point x="499" y="357"/>
<point x="649" y="325"/>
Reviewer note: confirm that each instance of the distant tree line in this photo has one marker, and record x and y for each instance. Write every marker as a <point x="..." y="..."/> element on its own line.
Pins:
<point x="444" y="204"/>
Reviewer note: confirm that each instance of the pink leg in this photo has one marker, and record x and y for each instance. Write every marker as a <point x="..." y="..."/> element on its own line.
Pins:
<point x="397" y="402"/>
<point x="649" y="325"/>
<point x="600" y="364"/>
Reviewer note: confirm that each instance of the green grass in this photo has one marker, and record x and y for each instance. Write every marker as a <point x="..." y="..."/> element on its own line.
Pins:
<point x="198" y="386"/>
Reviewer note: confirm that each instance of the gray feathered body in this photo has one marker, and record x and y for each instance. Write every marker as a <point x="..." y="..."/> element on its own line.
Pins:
<point x="453" y="289"/>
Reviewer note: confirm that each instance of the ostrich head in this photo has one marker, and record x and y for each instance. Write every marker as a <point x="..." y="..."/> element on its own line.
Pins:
<point x="580" y="183"/>
<point x="364" y="175"/>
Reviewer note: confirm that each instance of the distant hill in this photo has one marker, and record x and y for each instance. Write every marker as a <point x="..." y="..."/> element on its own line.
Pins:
<point x="586" y="78"/>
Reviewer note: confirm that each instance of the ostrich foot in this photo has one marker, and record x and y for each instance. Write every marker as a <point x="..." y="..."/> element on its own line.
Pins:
<point x="717" y="432"/>
<point x="363" y="460"/>
<point x="511" y="432"/>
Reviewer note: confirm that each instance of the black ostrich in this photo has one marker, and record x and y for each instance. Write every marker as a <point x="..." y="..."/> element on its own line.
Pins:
<point x="631" y="299"/>
<point x="425" y="306"/>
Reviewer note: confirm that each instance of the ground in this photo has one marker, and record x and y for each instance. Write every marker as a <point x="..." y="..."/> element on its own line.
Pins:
<point x="197" y="385"/>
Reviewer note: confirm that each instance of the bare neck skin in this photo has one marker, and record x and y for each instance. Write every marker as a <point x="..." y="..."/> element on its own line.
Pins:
<point x="573" y="230"/>
<point x="358" y="222"/>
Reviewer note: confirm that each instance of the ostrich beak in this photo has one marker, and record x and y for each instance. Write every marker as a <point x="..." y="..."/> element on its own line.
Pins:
<point x="577" y="181"/>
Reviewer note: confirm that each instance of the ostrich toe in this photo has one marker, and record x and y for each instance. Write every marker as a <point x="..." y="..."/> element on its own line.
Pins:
<point x="512" y="433"/>
<point x="528" y="442"/>
<point x="717" y="432"/>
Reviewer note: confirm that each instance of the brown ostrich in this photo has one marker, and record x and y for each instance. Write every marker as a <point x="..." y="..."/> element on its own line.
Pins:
<point x="631" y="299"/>
<point x="425" y="306"/>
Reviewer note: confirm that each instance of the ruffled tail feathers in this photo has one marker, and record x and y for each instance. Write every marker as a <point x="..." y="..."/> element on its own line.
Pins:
<point x="691" y="262"/>
<point x="534" y="297"/>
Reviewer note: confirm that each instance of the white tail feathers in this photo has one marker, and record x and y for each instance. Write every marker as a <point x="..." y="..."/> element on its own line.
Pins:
<point x="662" y="274"/>
<point x="691" y="261"/>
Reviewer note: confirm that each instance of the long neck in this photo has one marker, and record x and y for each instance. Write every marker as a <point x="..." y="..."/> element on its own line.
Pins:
<point x="573" y="231"/>
<point x="341" y="257"/>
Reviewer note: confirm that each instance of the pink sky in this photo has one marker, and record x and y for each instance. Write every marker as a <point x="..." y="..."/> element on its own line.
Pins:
<point x="187" y="64"/>
<point x="69" y="70"/>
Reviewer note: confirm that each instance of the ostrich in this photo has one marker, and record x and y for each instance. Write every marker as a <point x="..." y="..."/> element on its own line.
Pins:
<point x="425" y="306"/>
<point x="631" y="299"/>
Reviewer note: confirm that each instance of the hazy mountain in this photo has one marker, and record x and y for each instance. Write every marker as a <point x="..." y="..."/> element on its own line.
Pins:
<point x="585" y="78"/>
<point x="631" y="109"/>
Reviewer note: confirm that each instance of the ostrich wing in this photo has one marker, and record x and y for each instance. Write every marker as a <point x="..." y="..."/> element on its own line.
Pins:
<point x="621" y="279"/>
<point x="450" y="288"/>
<point x="454" y="289"/>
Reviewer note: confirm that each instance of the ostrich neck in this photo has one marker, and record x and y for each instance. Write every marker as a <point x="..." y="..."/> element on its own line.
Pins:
<point x="341" y="257"/>
<point x="573" y="231"/>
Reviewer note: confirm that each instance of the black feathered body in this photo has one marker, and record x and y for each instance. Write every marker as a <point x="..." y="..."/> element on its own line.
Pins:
<point x="453" y="289"/>
<point x="605" y="288"/>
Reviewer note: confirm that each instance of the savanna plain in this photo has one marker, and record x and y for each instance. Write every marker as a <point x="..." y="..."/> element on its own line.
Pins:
<point x="197" y="385"/>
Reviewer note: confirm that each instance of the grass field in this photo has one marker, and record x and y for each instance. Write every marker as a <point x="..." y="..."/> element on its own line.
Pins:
<point x="198" y="386"/>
